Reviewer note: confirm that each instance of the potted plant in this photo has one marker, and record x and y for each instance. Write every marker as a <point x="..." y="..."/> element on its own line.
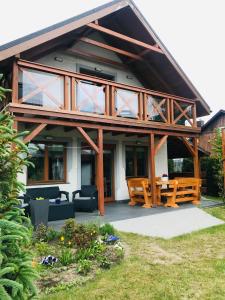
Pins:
<point x="39" y="209"/>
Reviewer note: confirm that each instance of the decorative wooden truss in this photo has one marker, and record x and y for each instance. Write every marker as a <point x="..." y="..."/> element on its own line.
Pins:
<point x="59" y="90"/>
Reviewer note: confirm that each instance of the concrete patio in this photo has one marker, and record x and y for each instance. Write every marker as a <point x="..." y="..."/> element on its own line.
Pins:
<point x="158" y="222"/>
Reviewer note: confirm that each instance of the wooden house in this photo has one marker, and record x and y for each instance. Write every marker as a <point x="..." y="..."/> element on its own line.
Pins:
<point x="209" y="128"/>
<point x="102" y="98"/>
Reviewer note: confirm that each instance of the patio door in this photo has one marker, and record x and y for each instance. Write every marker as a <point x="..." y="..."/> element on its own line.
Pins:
<point x="88" y="169"/>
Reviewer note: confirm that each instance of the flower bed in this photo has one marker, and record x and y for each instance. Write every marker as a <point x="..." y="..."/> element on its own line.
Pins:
<point x="74" y="255"/>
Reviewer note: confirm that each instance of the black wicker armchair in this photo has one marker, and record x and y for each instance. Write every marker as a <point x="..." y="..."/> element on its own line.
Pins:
<point x="85" y="199"/>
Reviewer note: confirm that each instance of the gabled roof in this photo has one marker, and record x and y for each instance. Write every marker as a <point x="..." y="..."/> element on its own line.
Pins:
<point x="219" y="114"/>
<point x="59" y="28"/>
<point x="170" y="77"/>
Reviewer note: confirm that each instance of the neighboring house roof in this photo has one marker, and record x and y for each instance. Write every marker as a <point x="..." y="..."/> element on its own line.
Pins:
<point x="219" y="114"/>
<point x="174" y="74"/>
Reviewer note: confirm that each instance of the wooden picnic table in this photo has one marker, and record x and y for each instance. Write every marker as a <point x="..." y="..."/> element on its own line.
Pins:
<point x="163" y="188"/>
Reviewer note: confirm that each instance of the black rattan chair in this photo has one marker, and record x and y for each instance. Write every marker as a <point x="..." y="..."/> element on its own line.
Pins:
<point x="85" y="199"/>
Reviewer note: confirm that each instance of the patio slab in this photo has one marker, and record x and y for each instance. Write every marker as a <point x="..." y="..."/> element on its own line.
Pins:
<point x="158" y="222"/>
<point x="169" y="224"/>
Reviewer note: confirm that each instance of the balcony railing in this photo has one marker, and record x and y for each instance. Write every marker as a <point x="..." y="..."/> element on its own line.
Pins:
<point x="58" y="89"/>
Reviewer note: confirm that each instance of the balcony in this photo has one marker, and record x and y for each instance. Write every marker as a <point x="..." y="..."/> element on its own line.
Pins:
<point x="51" y="89"/>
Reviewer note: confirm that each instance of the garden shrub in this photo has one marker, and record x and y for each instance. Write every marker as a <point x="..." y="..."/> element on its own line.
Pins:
<point x="66" y="257"/>
<point x="107" y="229"/>
<point x="79" y="235"/>
<point x="52" y="234"/>
<point x="83" y="236"/>
<point x="69" y="229"/>
<point x="45" y="234"/>
<point x="92" y="252"/>
<point x="84" y="267"/>
<point x="42" y="248"/>
<point x="16" y="272"/>
<point x="104" y="262"/>
<point x="40" y="234"/>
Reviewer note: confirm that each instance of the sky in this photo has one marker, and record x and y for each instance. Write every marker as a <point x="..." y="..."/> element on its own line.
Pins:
<point x="192" y="30"/>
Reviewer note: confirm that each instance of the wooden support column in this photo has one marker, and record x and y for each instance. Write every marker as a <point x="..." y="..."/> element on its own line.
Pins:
<point x="15" y="81"/>
<point x="100" y="173"/>
<point x="196" y="158"/>
<point x="152" y="166"/>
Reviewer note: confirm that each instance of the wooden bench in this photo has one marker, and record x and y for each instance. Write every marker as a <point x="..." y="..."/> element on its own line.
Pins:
<point x="188" y="189"/>
<point x="139" y="192"/>
<point x="180" y="190"/>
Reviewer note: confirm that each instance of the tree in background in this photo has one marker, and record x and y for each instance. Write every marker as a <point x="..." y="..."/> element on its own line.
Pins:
<point x="217" y="157"/>
<point x="16" y="272"/>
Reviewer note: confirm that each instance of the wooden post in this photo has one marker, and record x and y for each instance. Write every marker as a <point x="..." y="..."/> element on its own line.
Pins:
<point x="100" y="173"/>
<point x="223" y="155"/>
<point x="66" y="93"/>
<point x="15" y="125"/>
<point x="152" y="166"/>
<point x="15" y="81"/>
<point x="195" y="157"/>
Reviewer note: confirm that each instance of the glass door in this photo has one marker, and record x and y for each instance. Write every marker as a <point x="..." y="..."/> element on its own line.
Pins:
<point x="88" y="169"/>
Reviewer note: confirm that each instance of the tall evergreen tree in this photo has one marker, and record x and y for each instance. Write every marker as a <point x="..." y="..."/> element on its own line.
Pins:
<point x="217" y="156"/>
<point x="16" y="272"/>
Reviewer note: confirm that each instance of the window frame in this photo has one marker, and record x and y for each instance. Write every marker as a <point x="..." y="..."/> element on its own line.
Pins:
<point x="46" y="179"/>
<point x="135" y="161"/>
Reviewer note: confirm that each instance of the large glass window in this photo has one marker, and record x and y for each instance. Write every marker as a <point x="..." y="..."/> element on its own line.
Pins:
<point x="136" y="161"/>
<point x="49" y="161"/>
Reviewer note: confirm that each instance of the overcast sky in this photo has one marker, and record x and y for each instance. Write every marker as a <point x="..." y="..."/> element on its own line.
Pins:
<point x="192" y="30"/>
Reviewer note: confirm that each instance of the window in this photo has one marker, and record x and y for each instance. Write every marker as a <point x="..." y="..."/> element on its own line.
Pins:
<point x="96" y="73"/>
<point x="136" y="161"/>
<point x="50" y="163"/>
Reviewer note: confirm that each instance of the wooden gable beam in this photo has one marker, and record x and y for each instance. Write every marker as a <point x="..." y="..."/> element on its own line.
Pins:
<point x="188" y="145"/>
<point x="96" y="58"/>
<point x="110" y="48"/>
<point x="124" y="37"/>
<point x="34" y="133"/>
<point x="160" y="143"/>
<point x="88" y="139"/>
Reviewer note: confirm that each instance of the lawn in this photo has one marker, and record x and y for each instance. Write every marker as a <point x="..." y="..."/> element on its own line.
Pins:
<point x="188" y="267"/>
<point x="213" y="198"/>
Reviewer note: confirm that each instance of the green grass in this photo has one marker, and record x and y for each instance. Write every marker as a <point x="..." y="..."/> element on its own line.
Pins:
<point x="213" y="198"/>
<point x="187" y="267"/>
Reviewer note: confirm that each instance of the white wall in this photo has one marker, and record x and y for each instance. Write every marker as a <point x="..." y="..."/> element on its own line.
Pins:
<point x="72" y="62"/>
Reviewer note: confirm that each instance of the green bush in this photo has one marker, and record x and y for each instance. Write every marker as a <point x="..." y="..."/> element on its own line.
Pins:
<point x="52" y="234"/>
<point x="66" y="257"/>
<point x="40" y="234"/>
<point x="84" y="267"/>
<point x="42" y="248"/>
<point x="84" y="235"/>
<point x="104" y="262"/>
<point x="16" y="272"/>
<point x="90" y="253"/>
<point x="107" y="229"/>
<point x="69" y="229"/>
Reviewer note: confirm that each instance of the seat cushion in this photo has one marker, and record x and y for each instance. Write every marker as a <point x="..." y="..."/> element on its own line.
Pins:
<point x="82" y="198"/>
